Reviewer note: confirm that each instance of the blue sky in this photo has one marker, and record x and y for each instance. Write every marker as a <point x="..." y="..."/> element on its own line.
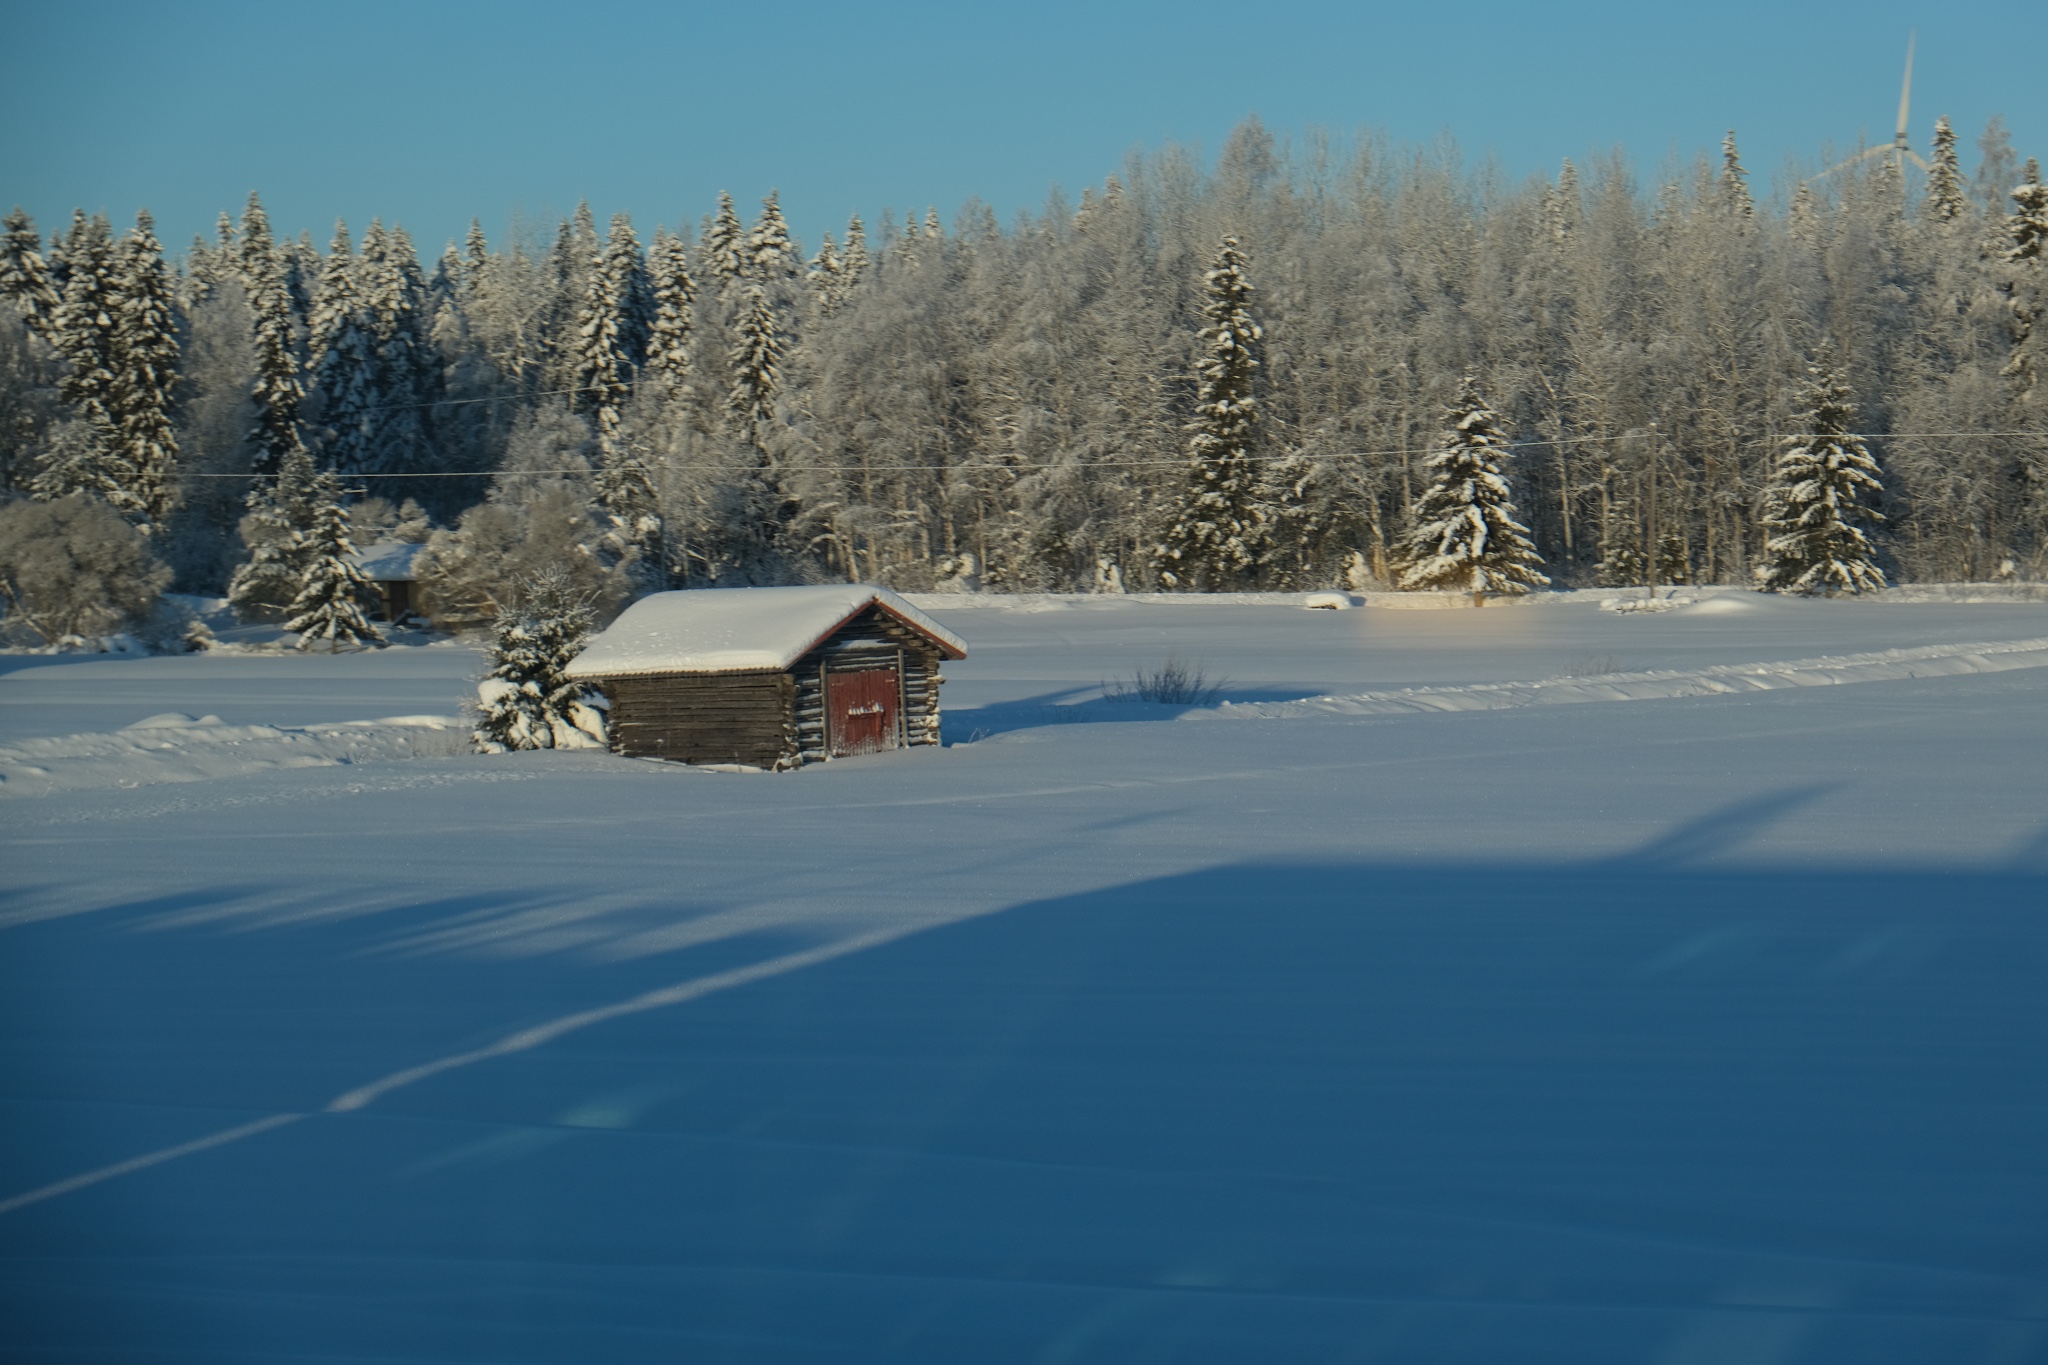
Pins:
<point x="429" y="113"/>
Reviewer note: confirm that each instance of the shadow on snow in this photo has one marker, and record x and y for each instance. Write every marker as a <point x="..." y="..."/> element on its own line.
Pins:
<point x="1633" y="1112"/>
<point x="1060" y="707"/>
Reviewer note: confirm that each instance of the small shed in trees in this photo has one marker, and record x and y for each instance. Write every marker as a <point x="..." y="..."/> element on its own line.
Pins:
<point x="388" y="566"/>
<point x="769" y="677"/>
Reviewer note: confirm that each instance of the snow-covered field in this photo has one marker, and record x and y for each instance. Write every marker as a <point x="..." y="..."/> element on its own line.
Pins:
<point x="1393" y="1012"/>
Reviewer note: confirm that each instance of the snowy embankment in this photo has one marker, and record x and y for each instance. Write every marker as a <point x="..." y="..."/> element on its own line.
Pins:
<point x="175" y="747"/>
<point x="1927" y="661"/>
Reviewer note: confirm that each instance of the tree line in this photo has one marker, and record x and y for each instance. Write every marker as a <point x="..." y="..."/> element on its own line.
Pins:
<point x="1058" y="403"/>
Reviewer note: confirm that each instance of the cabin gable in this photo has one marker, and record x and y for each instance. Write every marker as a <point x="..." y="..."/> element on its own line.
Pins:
<point x="873" y="639"/>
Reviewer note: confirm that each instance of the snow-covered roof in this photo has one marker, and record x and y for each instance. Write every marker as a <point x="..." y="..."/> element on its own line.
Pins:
<point x="388" y="561"/>
<point x="732" y="630"/>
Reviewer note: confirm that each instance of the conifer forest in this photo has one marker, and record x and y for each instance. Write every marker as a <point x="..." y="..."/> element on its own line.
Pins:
<point x="1197" y="378"/>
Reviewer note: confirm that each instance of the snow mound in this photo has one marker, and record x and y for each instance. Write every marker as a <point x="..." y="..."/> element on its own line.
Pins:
<point x="1927" y="661"/>
<point x="1722" y="606"/>
<point x="1328" y="601"/>
<point x="173" y="747"/>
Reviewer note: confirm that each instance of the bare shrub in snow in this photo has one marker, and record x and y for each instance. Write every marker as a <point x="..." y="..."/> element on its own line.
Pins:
<point x="74" y="566"/>
<point x="1174" y="683"/>
<point x="1591" y="666"/>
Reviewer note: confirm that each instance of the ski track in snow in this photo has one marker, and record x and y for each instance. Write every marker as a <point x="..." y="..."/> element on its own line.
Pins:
<point x="525" y="1040"/>
<point x="1927" y="661"/>
<point x="179" y="748"/>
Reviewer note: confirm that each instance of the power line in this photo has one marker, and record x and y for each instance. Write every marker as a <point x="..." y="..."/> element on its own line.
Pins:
<point x="1178" y="460"/>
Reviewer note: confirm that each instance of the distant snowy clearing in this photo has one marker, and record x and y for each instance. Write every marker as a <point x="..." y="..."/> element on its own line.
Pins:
<point x="178" y="747"/>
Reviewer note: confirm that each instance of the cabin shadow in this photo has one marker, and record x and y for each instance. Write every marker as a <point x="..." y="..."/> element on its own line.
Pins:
<point x="1632" y="1112"/>
<point x="1086" y="705"/>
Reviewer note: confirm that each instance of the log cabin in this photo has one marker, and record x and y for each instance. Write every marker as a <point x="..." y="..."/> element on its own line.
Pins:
<point x="769" y="678"/>
<point x="388" y="567"/>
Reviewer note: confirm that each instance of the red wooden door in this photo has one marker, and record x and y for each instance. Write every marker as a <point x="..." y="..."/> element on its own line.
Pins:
<point x="860" y="710"/>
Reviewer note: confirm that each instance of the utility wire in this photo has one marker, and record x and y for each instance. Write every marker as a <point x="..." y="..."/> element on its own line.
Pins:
<point x="1178" y="460"/>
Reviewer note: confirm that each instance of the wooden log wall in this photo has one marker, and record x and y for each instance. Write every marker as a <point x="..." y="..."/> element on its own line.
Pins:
<point x="706" y="718"/>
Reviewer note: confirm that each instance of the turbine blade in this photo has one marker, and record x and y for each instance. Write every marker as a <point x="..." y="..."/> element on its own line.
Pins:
<point x="1920" y="161"/>
<point x="1906" y="90"/>
<point x="1886" y="150"/>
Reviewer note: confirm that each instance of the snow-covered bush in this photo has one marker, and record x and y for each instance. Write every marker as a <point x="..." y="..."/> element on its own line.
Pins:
<point x="525" y="701"/>
<point x="279" y="519"/>
<point x="373" y="521"/>
<point x="74" y="567"/>
<point x="468" y="575"/>
<point x="172" y="627"/>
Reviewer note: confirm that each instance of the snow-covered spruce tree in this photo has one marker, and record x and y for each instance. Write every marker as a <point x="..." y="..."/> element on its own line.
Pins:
<point x="24" y="279"/>
<point x="279" y="389"/>
<point x="476" y="257"/>
<point x="345" y="365"/>
<point x="770" y="255"/>
<point x="255" y="248"/>
<point x="145" y="358"/>
<point x="2026" y="284"/>
<point x="524" y="701"/>
<point x="611" y="336"/>
<point x="204" y="273"/>
<point x="327" y="606"/>
<point x="675" y="297"/>
<point x="393" y="295"/>
<point x="1947" y="200"/>
<point x="1817" y="497"/>
<point x="1466" y="538"/>
<point x="88" y="460"/>
<point x="756" y="361"/>
<point x="827" y="277"/>
<point x="334" y="296"/>
<point x="1735" y="181"/>
<point x="725" y="242"/>
<point x="276" y="531"/>
<point x="853" y="260"/>
<point x="1214" y="535"/>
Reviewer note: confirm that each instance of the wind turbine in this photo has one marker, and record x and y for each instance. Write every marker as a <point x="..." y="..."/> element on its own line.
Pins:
<point x="1898" y="149"/>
